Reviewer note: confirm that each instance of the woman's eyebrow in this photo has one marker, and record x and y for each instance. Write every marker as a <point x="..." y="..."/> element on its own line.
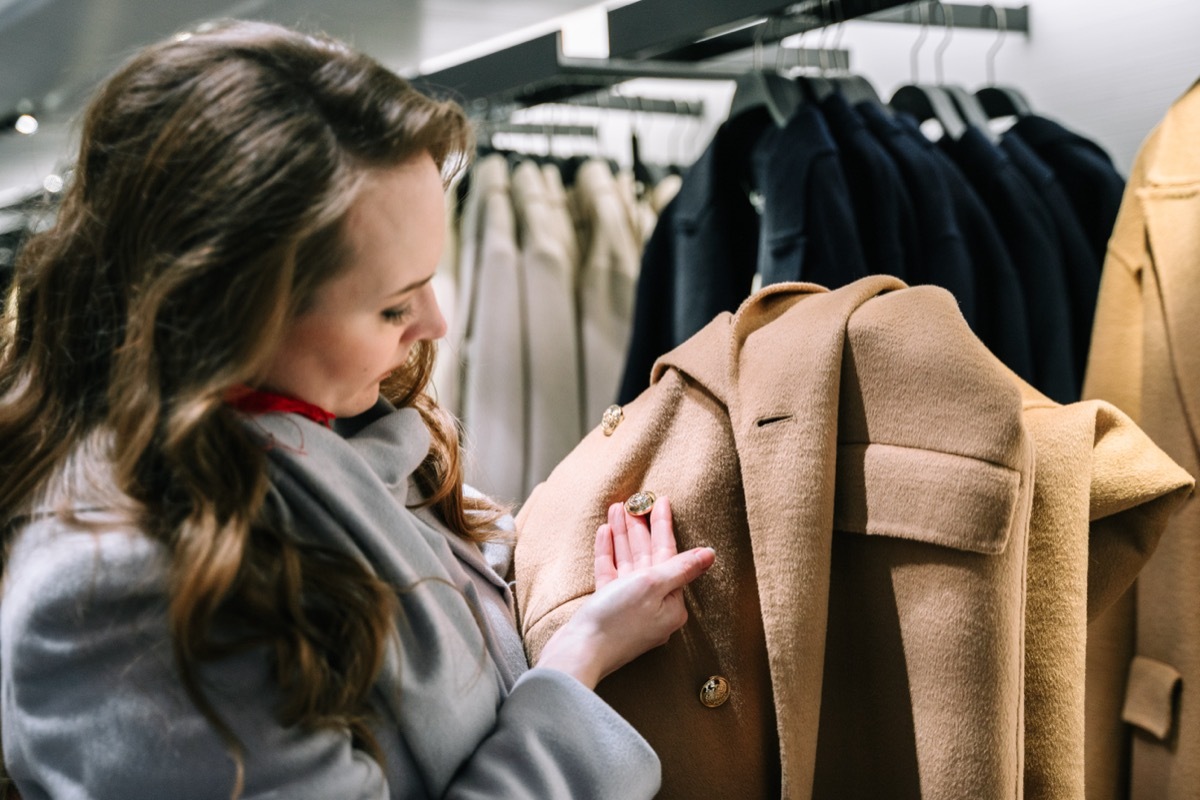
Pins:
<point x="411" y="286"/>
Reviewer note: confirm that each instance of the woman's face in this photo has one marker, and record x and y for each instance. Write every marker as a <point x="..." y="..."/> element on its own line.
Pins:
<point x="363" y="322"/>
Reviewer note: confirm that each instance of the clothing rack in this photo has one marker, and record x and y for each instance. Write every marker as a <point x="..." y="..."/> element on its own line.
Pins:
<point x="673" y="39"/>
<point x="639" y="104"/>
<point x="539" y="129"/>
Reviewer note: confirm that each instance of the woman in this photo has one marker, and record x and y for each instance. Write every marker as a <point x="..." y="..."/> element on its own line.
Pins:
<point x="232" y="569"/>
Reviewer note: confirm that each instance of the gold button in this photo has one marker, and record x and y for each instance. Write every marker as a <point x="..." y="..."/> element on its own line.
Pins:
<point x="611" y="419"/>
<point x="640" y="503"/>
<point x="714" y="692"/>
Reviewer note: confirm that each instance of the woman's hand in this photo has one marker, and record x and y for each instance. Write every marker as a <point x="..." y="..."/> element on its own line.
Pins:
<point x="638" y="601"/>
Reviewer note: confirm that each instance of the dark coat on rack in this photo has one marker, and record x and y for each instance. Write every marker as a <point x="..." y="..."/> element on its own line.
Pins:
<point x="1023" y="220"/>
<point x="808" y="232"/>
<point x="710" y="241"/>
<point x="943" y="258"/>
<point x="1002" y="322"/>
<point x="701" y="256"/>
<point x="882" y="206"/>
<point x="1086" y="173"/>
<point x="1079" y="267"/>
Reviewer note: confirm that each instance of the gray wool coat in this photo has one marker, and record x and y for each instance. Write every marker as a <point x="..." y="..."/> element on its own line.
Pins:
<point x="92" y="706"/>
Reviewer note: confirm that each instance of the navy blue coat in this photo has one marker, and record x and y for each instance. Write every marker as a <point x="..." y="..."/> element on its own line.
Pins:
<point x="942" y="257"/>
<point x="710" y="241"/>
<point x="1086" y="173"/>
<point x="1036" y="252"/>
<point x="883" y="210"/>
<point x="701" y="257"/>
<point x="1079" y="265"/>
<point x="808" y="232"/>
<point x="1001" y="320"/>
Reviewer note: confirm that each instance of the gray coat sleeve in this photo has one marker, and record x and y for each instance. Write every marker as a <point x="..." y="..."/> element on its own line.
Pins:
<point x="557" y="738"/>
<point x="92" y="704"/>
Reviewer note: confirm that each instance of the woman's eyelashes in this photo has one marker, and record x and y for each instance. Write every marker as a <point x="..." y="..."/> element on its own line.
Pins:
<point x="397" y="314"/>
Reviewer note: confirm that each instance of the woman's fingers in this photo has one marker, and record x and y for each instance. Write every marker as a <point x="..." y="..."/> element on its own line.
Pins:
<point x="682" y="569"/>
<point x="662" y="532"/>
<point x="623" y="555"/>
<point x="639" y="540"/>
<point x="606" y="567"/>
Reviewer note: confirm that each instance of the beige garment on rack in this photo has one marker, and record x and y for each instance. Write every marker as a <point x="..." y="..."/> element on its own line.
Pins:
<point x="548" y="267"/>
<point x="448" y="369"/>
<point x="1103" y="492"/>
<point x="610" y="259"/>
<point x="975" y="527"/>
<point x="639" y="207"/>
<point x="490" y="336"/>
<point x="1144" y="658"/>
<point x="803" y="438"/>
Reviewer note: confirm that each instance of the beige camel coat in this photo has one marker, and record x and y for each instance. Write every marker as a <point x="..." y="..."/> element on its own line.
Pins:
<point x="888" y="658"/>
<point x="1146" y="360"/>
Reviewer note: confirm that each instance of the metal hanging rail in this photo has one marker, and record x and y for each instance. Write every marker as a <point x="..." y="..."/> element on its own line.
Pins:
<point x="1016" y="18"/>
<point x="689" y="30"/>
<point x="636" y="103"/>
<point x="539" y="129"/>
<point x="672" y="39"/>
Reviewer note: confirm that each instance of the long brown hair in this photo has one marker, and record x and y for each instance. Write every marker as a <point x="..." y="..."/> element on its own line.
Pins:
<point x="206" y="207"/>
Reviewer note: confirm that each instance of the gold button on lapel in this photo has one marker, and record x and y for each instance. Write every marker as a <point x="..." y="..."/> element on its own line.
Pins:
<point x="611" y="419"/>
<point x="714" y="692"/>
<point x="640" y="503"/>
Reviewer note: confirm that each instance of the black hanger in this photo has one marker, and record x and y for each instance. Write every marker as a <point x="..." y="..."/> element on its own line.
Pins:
<point x="930" y="102"/>
<point x="1000" y="101"/>
<point x="856" y="89"/>
<point x="763" y="89"/>
<point x="944" y="103"/>
<point x="1003" y="101"/>
<point x="972" y="111"/>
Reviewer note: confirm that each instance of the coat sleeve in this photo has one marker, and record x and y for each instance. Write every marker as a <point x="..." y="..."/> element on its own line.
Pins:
<point x="93" y="706"/>
<point x="556" y="738"/>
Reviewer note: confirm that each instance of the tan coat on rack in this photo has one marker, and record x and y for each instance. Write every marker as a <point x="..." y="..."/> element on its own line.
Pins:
<point x="489" y="337"/>
<point x="812" y="411"/>
<point x="1145" y="359"/>
<point x="552" y="384"/>
<point x="611" y="257"/>
<point x="1102" y="495"/>
<point x="909" y="628"/>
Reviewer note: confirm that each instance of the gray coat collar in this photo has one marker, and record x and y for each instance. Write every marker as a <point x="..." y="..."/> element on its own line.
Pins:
<point x="341" y="493"/>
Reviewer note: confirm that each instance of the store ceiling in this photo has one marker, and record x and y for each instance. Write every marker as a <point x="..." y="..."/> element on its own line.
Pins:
<point x="53" y="52"/>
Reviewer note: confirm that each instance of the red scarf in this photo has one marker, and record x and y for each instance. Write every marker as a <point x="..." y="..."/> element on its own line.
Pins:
<point x="256" y="401"/>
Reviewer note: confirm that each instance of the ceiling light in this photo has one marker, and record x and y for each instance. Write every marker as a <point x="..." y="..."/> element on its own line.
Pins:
<point x="26" y="124"/>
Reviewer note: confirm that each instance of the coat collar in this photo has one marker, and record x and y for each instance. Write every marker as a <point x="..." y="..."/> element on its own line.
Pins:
<point x="1171" y="200"/>
<point x="804" y="415"/>
<point x="332" y="490"/>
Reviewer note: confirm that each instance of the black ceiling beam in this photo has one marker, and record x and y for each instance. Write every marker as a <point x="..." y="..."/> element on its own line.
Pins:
<point x="694" y="30"/>
<point x="529" y="72"/>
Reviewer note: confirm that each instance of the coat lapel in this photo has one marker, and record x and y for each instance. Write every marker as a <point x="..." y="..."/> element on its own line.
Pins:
<point x="1171" y="200"/>
<point x="785" y="412"/>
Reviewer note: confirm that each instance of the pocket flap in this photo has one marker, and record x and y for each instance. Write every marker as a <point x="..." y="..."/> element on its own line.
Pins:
<point x="1150" y="696"/>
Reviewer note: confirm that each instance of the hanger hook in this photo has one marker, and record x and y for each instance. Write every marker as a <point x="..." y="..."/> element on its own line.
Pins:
<point x="1002" y="34"/>
<point x="914" y="61"/>
<point x="758" y="43"/>
<point x="948" y="22"/>
<point x="836" y="45"/>
<point x="822" y="49"/>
